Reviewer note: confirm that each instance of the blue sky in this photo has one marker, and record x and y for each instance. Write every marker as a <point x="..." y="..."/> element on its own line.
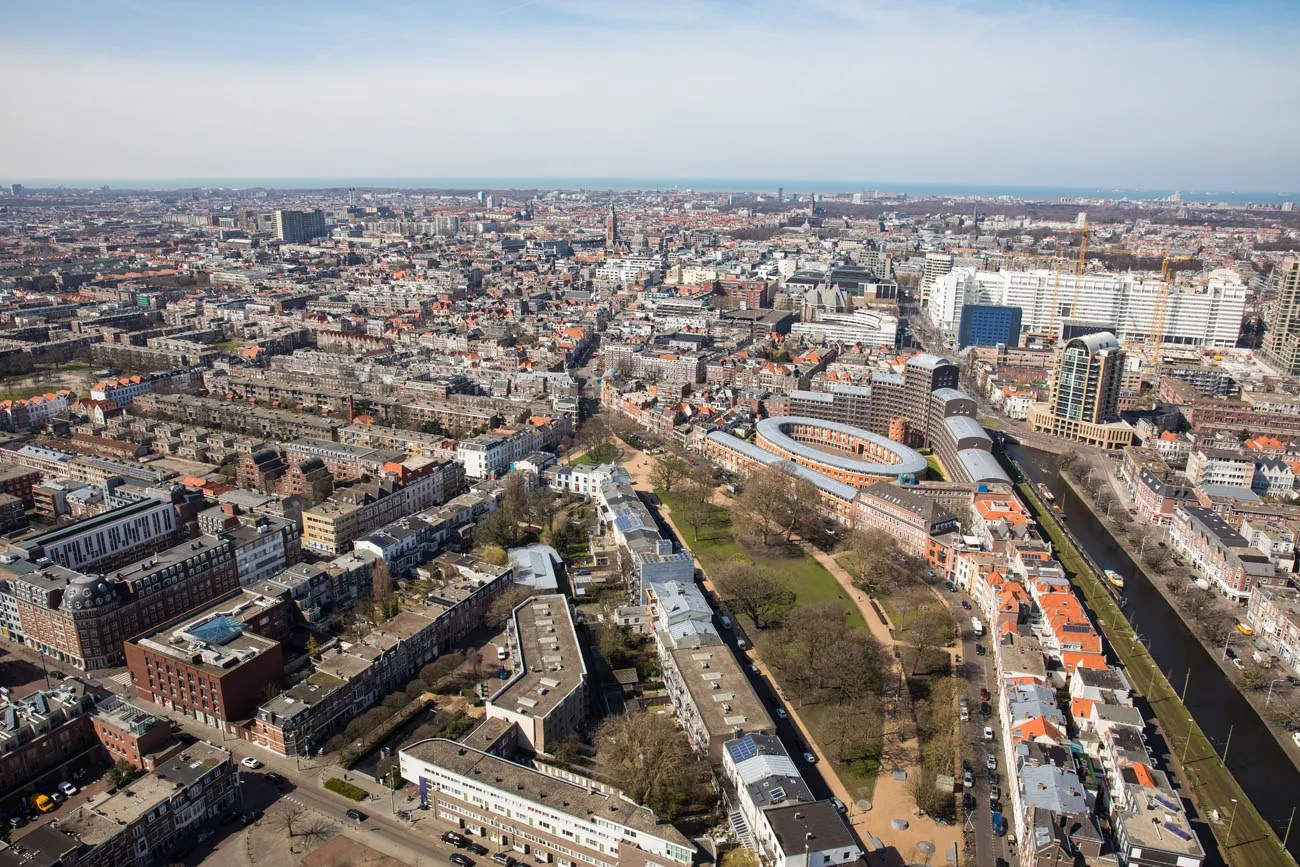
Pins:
<point x="1151" y="94"/>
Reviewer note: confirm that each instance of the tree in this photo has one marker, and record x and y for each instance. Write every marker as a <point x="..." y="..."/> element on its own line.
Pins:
<point x="593" y="433"/>
<point x="494" y="554"/>
<point x="612" y="641"/>
<point x="437" y="673"/>
<point x="381" y="592"/>
<point x="514" y="497"/>
<point x="647" y="757"/>
<point x="925" y="630"/>
<point x="694" y="506"/>
<point x="668" y="471"/>
<point x="122" y="773"/>
<point x="739" y="856"/>
<point x="287" y="817"/>
<point x="502" y="607"/>
<point x="923" y="792"/>
<point x="754" y="594"/>
<point x="769" y="503"/>
<point x="540" y="508"/>
<point x="317" y="832"/>
<point x="879" y="565"/>
<point x="1287" y="713"/>
<point x="313" y="647"/>
<point x="820" y="659"/>
<point x="497" y="528"/>
<point x="854" y="733"/>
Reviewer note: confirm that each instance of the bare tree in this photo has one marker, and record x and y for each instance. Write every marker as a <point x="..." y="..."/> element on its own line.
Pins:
<point x="926" y="630"/>
<point x="288" y="817"/>
<point x="381" y="591"/>
<point x="877" y="563"/>
<point x="514" y="497"/>
<point x="668" y="471"/>
<point x="753" y="593"/>
<point x="648" y="758"/>
<point x="695" y="508"/>
<point x="318" y="831"/>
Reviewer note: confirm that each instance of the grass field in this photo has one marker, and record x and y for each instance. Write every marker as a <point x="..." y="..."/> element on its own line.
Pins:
<point x="602" y="454"/>
<point x="810" y="583"/>
<point x="1253" y="842"/>
<point x="936" y="468"/>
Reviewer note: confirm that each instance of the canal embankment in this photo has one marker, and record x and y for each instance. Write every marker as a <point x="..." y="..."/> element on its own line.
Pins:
<point x="1244" y="836"/>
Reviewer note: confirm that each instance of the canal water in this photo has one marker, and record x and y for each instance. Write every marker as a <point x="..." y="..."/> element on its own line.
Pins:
<point x="1263" y="769"/>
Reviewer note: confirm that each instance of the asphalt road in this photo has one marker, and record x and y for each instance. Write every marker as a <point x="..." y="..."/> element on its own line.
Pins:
<point x="979" y="671"/>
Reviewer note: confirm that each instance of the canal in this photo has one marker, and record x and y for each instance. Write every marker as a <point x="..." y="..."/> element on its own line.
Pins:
<point x="1264" y="771"/>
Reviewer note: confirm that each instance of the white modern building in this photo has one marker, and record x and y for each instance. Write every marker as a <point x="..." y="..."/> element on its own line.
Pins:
<point x="1205" y="313"/>
<point x="866" y="326"/>
<point x="539" y="813"/>
<point x="490" y="454"/>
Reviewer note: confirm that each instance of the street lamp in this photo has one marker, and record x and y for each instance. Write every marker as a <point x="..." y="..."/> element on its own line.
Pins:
<point x="1270" y="689"/>
<point x="1227" y="839"/>
<point x="1183" y="760"/>
<point x="1226" y="641"/>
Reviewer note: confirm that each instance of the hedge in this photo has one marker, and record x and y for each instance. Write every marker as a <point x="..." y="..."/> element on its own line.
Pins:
<point x="347" y="790"/>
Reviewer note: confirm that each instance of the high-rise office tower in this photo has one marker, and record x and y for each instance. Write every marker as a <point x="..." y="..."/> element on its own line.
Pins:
<point x="1084" y="401"/>
<point x="299" y="227"/>
<point x="936" y="265"/>
<point x="1281" y="347"/>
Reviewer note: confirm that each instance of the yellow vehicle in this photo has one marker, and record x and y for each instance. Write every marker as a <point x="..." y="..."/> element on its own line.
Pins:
<point x="42" y="802"/>
<point x="1244" y="629"/>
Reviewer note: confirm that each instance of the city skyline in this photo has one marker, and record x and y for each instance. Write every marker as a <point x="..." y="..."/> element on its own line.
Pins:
<point x="1028" y="95"/>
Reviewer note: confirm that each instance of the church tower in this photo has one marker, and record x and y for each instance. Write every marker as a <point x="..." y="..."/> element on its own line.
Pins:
<point x="611" y="227"/>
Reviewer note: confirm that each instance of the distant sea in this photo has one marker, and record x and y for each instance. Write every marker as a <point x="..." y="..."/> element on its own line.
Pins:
<point x="721" y="185"/>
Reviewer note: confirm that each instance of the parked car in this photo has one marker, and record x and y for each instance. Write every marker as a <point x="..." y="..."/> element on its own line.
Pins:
<point x="967" y="780"/>
<point x="968" y="801"/>
<point x="985" y="708"/>
<point x="988" y="733"/>
<point x="58" y="797"/>
<point x="809" y="757"/>
<point x="476" y="848"/>
<point x="965" y="605"/>
<point x="950" y="587"/>
<point x="250" y="762"/>
<point x="503" y="858"/>
<point x="984" y="693"/>
<point x="17" y="820"/>
<point x="356" y="816"/>
<point x="1241" y="666"/>
<point x="781" y="714"/>
<point x="839" y="805"/>
<point x="979" y="650"/>
<point x="67" y="788"/>
<point x="454" y="839"/>
<point x="460" y="860"/>
<point x="42" y="802"/>
<point x="753" y="669"/>
<point x="991" y="762"/>
<point x="995" y="794"/>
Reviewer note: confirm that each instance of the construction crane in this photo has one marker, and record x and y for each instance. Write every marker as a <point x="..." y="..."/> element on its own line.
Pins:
<point x="1161" y="309"/>
<point x="1078" y="270"/>
<point x="1055" y="310"/>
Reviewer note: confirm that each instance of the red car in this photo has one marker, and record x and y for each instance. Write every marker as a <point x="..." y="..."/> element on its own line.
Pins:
<point x="984" y="693"/>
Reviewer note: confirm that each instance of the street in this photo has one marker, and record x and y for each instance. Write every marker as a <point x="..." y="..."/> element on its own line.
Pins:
<point x="977" y="672"/>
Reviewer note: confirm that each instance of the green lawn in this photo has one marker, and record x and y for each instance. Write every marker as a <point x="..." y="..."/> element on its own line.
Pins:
<point x="801" y="573"/>
<point x="810" y="583"/>
<point x="602" y="454"/>
<point x="22" y="392"/>
<point x="229" y="345"/>
<point x="1253" y="841"/>
<point x="936" y="468"/>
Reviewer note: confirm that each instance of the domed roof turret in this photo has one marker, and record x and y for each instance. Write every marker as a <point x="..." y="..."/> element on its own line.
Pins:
<point x="88" y="592"/>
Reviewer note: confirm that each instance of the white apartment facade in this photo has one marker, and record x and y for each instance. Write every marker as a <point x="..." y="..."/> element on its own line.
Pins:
<point x="489" y="454"/>
<point x="1207" y="313"/>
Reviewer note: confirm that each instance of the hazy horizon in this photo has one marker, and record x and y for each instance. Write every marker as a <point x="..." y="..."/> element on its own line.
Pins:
<point x="1159" y="95"/>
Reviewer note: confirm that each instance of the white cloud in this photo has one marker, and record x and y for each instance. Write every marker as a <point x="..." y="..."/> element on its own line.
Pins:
<point x="829" y="89"/>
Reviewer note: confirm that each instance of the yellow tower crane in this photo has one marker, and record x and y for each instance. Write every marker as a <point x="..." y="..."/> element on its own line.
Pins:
<point x="1079" y="268"/>
<point x="1161" y="309"/>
